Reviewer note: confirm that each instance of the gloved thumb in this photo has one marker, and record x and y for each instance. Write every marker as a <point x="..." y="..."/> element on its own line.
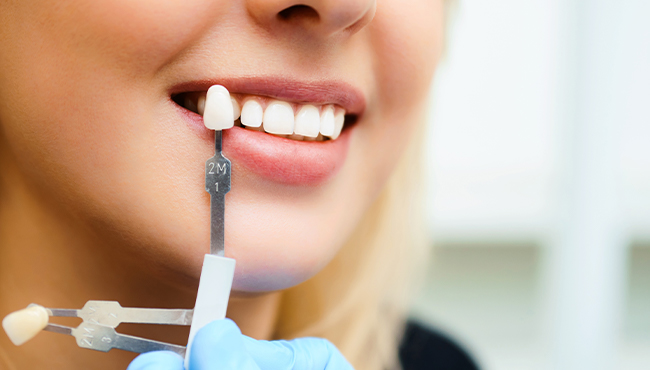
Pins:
<point x="158" y="360"/>
<point x="220" y="346"/>
<point x="297" y="354"/>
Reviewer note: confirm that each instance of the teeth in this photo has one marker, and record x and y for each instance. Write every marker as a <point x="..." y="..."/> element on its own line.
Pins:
<point x="310" y="123"/>
<point x="317" y="138"/>
<point x="218" y="114"/>
<point x="189" y="104"/>
<point x="23" y="325"/>
<point x="235" y="109"/>
<point x="307" y="121"/>
<point x="339" y="118"/>
<point x="278" y="118"/>
<point x="327" y="121"/>
<point x="252" y="114"/>
<point x="200" y="105"/>
<point x="258" y="128"/>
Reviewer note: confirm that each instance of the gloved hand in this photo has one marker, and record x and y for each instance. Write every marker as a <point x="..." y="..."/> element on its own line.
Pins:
<point x="220" y="345"/>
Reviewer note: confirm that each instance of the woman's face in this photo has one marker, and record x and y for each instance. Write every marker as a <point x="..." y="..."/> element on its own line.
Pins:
<point x="86" y="110"/>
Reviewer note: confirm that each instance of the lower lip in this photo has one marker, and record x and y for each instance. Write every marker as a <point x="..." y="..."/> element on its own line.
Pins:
<point x="286" y="161"/>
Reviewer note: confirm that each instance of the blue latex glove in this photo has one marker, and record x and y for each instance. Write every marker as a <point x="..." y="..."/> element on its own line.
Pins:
<point x="220" y="345"/>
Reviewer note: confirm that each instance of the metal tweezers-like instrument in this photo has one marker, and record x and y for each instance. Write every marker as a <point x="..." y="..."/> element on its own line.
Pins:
<point x="100" y="318"/>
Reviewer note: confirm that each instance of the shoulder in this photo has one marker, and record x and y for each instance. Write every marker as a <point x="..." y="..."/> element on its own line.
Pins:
<point x="423" y="348"/>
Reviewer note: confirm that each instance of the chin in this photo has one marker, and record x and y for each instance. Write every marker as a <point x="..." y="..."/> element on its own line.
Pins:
<point x="283" y="246"/>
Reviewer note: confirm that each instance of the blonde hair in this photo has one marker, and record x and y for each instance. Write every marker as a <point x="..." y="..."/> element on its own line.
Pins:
<point x="360" y="300"/>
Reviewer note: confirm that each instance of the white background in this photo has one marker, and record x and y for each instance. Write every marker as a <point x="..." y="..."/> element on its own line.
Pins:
<point x="539" y="191"/>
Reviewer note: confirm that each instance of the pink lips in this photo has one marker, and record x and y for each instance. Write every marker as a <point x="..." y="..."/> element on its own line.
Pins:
<point x="283" y="160"/>
<point x="275" y="158"/>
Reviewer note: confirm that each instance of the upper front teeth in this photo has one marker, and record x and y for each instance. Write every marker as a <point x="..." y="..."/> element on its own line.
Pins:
<point x="278" y="118"/>
<point x="219" y="111"/>
<point x="339" y="119"/>
<point x="327" y="121"/>
<point x="307" y="121"/>
<point x="252" y="114"/>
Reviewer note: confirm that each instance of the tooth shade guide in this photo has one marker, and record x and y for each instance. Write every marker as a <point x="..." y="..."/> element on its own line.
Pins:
<point x="218" y="114"/>
<point x="23" y="325"/>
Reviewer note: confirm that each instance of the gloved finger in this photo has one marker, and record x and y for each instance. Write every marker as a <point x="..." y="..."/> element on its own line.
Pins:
<point x="220" y="346"/>
<point x="158" y="360"/>
<point x="297" y="354"/>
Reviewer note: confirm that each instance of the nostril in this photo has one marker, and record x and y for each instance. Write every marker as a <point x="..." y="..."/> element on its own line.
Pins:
<point x="296" y="12"/>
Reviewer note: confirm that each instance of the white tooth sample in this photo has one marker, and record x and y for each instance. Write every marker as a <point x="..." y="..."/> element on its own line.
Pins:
<point x="278" y="118"/>
<point x="307" y="121"/>
<point x="327" y="121"/>
<point x="218" y="114"/>
<point x="339" y="118"/>
<point x="252" y="114"/>
<point x="235" y="109"/>
<point x="23" y="325"/>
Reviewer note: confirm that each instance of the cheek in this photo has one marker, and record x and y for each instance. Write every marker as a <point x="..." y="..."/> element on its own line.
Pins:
<point x="77" y="106"/>
<point x="408" y="44"/>
<point x="89" y="135"/>
<point x="72" y="69"/>
<point x="136" y="36"/>
<point x="76" y="82"/>
<point x="407" y="41"/>
<point x="281" y="237"/>
<point x="277" y="243"/>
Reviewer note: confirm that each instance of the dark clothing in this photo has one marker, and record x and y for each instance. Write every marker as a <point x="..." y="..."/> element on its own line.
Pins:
<point x="426" y="349"/>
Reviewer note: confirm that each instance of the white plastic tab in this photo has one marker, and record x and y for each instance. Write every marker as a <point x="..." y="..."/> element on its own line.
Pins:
<point x="213" y="294"/>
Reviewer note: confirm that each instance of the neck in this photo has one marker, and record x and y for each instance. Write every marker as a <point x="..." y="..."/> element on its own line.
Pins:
<point x="49" y="258"/>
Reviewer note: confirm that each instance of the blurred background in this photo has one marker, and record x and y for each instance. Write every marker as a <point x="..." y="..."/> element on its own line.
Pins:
<point x="539" y="184"/>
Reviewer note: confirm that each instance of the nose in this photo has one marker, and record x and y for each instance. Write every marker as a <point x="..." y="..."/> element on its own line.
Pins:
<point x="322" y="18"/>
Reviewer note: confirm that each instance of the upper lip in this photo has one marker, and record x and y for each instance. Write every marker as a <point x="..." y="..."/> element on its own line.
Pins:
<point x="341" y="93"/>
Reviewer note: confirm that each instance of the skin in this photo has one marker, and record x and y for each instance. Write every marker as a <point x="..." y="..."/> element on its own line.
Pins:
<point x="101" y="183"/>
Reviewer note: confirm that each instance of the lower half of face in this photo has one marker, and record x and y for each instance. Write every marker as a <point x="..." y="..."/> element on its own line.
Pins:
<point x="100" y="112"/>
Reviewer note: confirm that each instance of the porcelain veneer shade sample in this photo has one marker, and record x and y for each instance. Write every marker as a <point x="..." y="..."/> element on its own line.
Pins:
<point x="219" y="110"/>
<point x="23" y="325"/>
